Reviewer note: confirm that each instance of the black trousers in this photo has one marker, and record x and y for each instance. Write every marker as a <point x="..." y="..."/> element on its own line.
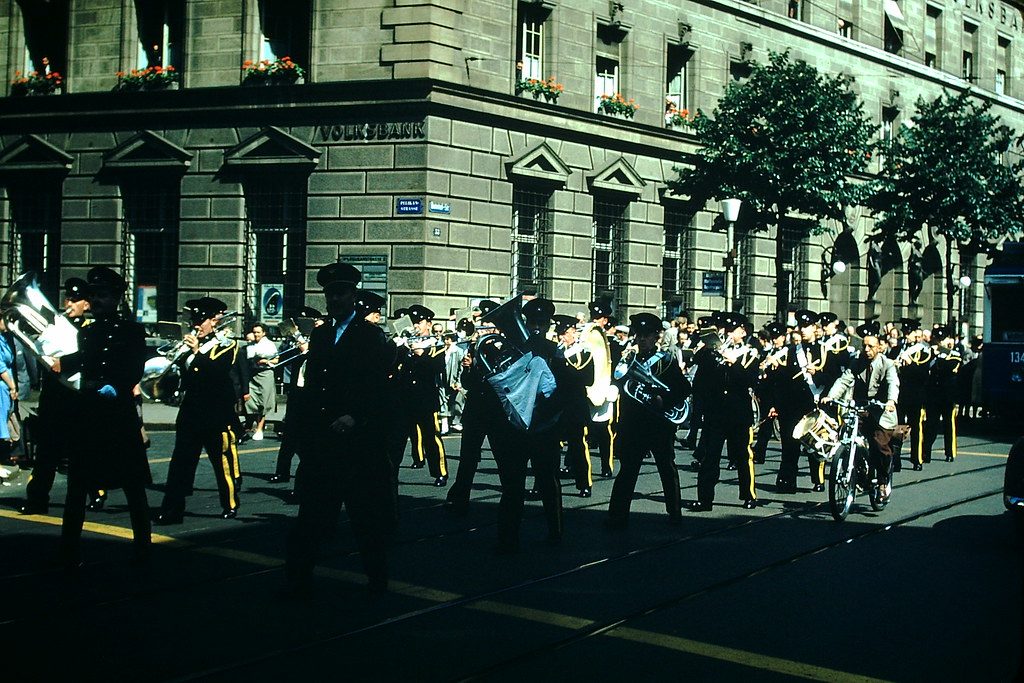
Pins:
<point x="77" y="498"/>
<point x="423" y="430"/>
<point x="632" y="447"/>
<point x="577" y="455"/>
<point x="335" y="472"/>
<point x="221" y="450"/>
<point x="513" y="454"/>
<point x="762" y="436"/>
<point x="738" y="438"/>
<point x="791" y="452"/>
<point x="939" y="415"/>
<point x="911" y="414"/>
<point x="472" y="442"/>
<point x="601" y="435"/>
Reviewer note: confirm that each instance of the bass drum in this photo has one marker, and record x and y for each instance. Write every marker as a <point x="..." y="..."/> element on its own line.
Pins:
<point x="160" y="381"/>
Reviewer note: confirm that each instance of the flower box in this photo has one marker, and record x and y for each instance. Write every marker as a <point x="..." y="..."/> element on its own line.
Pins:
<point x="35" y="83"/>
<point x="548" y="89"/>
<point x="150" y="78"/>
<point x="617" y="105"/>
<point x="279" y="72"/>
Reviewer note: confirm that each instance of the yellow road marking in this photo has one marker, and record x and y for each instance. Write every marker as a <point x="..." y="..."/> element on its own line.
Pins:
<point x="709" y="650"/>
<point x="984" y="455"/>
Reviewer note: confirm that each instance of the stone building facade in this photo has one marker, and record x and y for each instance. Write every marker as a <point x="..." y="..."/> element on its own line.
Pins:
<point x="407" y="149"/>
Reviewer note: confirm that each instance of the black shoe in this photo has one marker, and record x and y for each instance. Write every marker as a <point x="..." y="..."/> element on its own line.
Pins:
<point x="417" y="465"/>
<point x="695" y="465"/>
<point x="697" y="506"/>
<point x="170" y="517"/>
<point x="785" y="487"/>
<point x="96" y="502"/>
<point x="918" y="467"/>
<point x="34" y="509"/>
<point x="279" y="479"/>
<point x="818" y="488"/>
<point x="532" y="494"/>
<point x="731" y="467"/>
<point x="441" y="481"/>
<point x="229" y="514"/>
<point x="758" y="461"/>
<point x="749" y="504"/>
<point x="606" y="473"/>
<point x="926" y="460"/>
<point x="949" y="458"/>
<point x="565" y="472"/>
<point x="585" y="492"/>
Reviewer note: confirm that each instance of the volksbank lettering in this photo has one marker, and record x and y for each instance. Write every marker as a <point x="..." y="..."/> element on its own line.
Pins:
<point x="403" y="130"/>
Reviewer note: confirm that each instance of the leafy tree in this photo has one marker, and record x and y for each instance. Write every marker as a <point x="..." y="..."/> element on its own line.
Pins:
<point x="944" y="175"/>
<point x="787" y="140"/>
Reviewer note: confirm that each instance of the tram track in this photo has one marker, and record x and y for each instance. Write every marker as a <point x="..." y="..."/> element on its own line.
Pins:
<point x="184" y="545"/>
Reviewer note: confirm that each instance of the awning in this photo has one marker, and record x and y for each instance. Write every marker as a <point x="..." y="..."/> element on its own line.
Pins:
<point x="895" y="15"/>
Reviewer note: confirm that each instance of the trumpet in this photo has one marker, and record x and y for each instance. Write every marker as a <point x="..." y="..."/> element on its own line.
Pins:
<point x="155" y="383"/>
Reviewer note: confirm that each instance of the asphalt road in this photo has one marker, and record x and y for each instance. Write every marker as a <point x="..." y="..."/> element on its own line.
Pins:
<point x="929" y="589"/>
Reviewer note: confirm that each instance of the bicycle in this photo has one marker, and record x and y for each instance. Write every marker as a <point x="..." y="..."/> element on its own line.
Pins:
<point x="849" y="471"/>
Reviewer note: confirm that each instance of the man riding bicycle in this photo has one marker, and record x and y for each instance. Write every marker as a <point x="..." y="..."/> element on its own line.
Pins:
<point x="873" y="377"/>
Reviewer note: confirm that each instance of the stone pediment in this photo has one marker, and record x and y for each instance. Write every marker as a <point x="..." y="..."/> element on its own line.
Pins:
<point x="539" y="164"/>
<point x="33" y="153"/>
<point x="272" y="147"/>
<point x="618" y="176"/>
<point x="147" y="150"/>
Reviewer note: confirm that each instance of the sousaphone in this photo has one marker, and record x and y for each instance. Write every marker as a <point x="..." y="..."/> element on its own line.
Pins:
<point x="595" y="341"/>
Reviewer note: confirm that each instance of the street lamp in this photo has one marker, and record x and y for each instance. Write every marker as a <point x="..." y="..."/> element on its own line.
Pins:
<point x="963" y="284"/>
<point x="730" y="213"/>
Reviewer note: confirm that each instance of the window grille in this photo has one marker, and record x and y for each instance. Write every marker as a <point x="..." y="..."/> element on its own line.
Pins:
<point x="150" y="250"/>
<point x="677" y="226"/>
<point x="275" y="238"/>
<point x="609" y="241"/>
<point x="531" y="228"/>
<point x="35" y="237"/>
<point x="932" y="36"/>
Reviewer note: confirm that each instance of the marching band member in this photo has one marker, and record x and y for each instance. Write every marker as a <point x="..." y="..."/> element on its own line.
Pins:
<point x="538" y="445"/>
<point x="644" y="428"/>
<point x="344" y="461"/>
<point x="56" y="402"/>
<point x="795" y="393"/>
<point x="940" y="398"/>
<point x="576" y="410"/>
<point x="295" y="406"/>
<point x="110" y="357"/>
<point x="417" y="379"/>
<point x="776" y="334"/>
<point x="913" y="365"/>
<point x="482" y="417"/>
<point x="601" y="427"/>
<point x="730" y="373"/>
<point x="213" y="379"/>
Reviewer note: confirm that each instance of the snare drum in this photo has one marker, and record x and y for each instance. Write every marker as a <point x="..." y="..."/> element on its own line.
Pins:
<point x="819" y="433"/>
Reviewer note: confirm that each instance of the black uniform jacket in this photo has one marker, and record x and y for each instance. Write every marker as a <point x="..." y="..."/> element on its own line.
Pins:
<point x="786" y="388"/>
<point x="347" y="378"/>
<point x="576" y="375"/>
<point x="110" y="352"/>
<point x="942" y="377"/>
<point x="213" y="381"/>
<point x="914" y="366"/>
<point x="727" y="386"/>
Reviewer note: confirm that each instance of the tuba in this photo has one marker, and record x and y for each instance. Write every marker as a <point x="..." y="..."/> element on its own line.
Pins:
<point x="643" y="387"/>
<point x="33" y="320"/>
<point x="595" y="341"/>
<point x="497" y="351"/>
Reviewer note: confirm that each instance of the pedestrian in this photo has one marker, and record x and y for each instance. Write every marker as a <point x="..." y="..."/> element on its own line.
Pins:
<point x="262" y="383"/>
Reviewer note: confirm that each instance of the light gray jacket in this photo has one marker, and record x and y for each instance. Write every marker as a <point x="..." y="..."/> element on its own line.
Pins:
<point x="881" y="380"/>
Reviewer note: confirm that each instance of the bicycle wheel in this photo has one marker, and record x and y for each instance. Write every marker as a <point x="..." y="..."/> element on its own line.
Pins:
<point x="841" y="491"/>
